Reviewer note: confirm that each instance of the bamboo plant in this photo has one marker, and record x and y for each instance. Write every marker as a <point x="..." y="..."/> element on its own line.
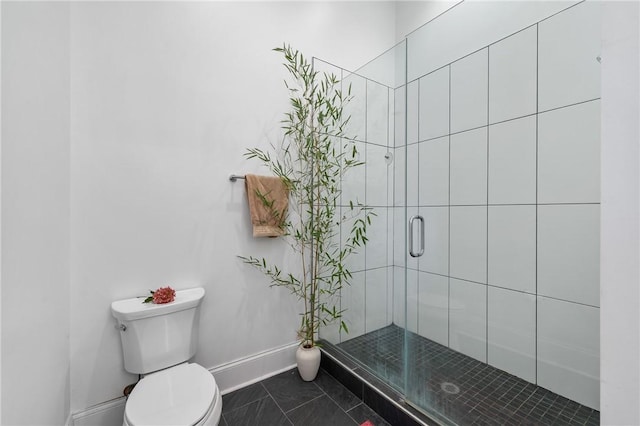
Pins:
<point x="313" y="156"/>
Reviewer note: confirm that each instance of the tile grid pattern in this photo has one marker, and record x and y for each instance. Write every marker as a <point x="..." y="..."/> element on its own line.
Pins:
<point x="285" y="399"/>
<point x="372" y="129"/>
<point x="464" y="390"/>
<point x="501" y="268"/>
<point x="545" y="275"/>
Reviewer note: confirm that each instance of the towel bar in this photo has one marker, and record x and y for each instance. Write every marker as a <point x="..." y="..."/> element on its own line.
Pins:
<point x="234" y="178"/>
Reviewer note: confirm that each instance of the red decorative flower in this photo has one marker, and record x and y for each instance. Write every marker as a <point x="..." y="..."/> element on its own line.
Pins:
<point x="161" y="295"/>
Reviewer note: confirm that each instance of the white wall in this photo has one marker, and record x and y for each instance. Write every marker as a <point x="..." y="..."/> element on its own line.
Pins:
<point x="150" y="108"/>
<point x="620" y="231"/>
<point x="35" y="215"/>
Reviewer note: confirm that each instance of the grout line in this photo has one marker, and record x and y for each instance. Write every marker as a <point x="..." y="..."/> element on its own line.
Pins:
<point x="486" y="278"/>
<point x="504" y="121"/>
<point x="366" y="169"/>
<point x="353" y="72"/>
<point x="567" y="105"/>
<point x="508" y="204"/>
<point x="449" y="224"/>
<point x="418" y="259"/>
<point x="535" y="367"/>
<point x="494" y="42"/>
<point x="567" y="301"/>
<point x="560" y="11"/>
<point x="508" y="120"/>
<point x="306" y="402"/>
<point x="479" y="376"/>
<point x="276" y="402"/>
<point x="355" y="406"/>
<point x="341" y="211"/>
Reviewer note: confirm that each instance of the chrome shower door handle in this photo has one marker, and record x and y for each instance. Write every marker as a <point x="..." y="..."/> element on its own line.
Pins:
<point x="411" y="223"/>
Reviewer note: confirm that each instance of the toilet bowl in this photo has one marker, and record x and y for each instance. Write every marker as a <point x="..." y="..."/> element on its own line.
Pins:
<point x="186" y="394"/>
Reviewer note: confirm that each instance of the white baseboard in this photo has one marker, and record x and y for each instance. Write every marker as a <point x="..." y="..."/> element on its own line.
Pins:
<point x="109" y="413"/>
<point x="245" y="371"/>
<point x="229" y="377"/>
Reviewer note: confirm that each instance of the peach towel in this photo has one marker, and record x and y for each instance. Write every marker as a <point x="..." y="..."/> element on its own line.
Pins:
<point x="268" y="203"/>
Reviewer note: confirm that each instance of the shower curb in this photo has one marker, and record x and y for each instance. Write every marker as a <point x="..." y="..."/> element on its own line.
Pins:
<point x="383" y="399"/>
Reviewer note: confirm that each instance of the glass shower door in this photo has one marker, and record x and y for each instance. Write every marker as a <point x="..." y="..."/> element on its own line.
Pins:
<point x="477" y="294"/>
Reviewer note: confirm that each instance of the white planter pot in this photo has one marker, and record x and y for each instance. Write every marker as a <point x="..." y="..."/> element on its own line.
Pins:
<point x="308" y="360"/>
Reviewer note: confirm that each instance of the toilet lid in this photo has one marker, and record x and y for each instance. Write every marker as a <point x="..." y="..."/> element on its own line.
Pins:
<point x="180" y="395"/>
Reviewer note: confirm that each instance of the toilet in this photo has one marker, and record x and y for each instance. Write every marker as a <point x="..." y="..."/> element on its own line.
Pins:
<point x="157" y="342"/>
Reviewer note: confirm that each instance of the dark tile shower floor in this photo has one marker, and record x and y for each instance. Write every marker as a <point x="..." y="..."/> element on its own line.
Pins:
<point x="464" y="390"/>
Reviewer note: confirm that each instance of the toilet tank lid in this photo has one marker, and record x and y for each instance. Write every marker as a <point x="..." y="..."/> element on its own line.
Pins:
<point x="133" y="309"/>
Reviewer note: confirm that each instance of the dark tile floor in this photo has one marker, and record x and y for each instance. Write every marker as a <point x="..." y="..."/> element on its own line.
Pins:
<point x="462" y="390"/>
<point x="285" y="399"/>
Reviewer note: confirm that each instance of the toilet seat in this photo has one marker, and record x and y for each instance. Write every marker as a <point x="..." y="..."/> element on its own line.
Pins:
<point x="186" y="394"/>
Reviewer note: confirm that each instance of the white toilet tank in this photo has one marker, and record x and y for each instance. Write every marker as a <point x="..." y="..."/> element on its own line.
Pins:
<point x="155" y="337"/>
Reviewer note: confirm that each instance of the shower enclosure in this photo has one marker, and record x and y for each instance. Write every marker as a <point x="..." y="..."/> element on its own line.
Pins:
<point x="477" y="296"/>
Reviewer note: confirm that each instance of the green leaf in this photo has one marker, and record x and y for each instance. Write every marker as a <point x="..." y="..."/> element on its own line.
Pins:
<point x="311" y="160"/>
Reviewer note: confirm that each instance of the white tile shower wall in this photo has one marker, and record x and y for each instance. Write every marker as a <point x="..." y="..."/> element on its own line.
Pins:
<point x="399" y="116"/>
<point x="354" y="180"/>
<point x="403" y="220"/>
<point x="405" y="298"/>
<point x="390" y="290"/>
<point x="469" y="167"/>
<point x="391" y="118"/>
<point x="442" y="41"/>
<point x="512" y="247"/>
<point x="357" y="107"/>
<point x="377" y="113"/>
<point x="468" y="243"/>
<point x="433" y="105"/>
<point x="469" y="92"/>
<point x="399" y="176"/>
<point x="374" y="184"/>
<point x="468" y="318"/>
<point x="524" y="199"/>
<point x="433" y="171"/>
<point x="413" y="173"/>
<point x="413" y="111"/>
<point x="569" y="350"/>
<point x="569" y="252"/>
<point x="376" y="297"/>
<point x="433" y="307"/>
<point x="384" y="68"/>
<point x="512" y="76"/>
<point x="378" y="235"/>
<point x="569" y="48"/>
<point x="389" y="231"/>
<point x="569" y="154"/>
<point x="356" y="261"/>
<point x="400" y="230"/>
<point x="436" y="250"/>
<point x="353" y="300"/>
<point x="511" y="332"/>
<point x="512" y="162"/>
<point x="376" y="169"/>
